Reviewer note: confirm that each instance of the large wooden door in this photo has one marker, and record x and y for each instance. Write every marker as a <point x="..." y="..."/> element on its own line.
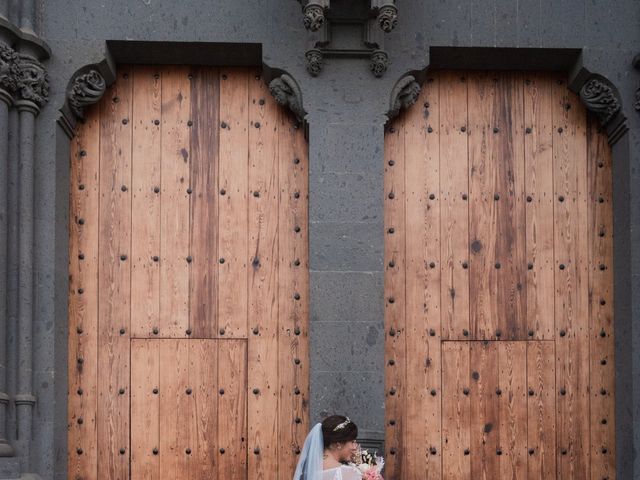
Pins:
<point x="498" y="283"/>
<point x="188" y="300"/>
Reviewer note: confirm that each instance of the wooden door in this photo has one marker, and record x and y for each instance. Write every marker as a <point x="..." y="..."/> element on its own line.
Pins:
<point x="188" y="299"/>
<point x="498" y="282"/>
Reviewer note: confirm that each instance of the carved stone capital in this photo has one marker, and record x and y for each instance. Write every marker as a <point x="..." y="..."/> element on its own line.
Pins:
<point x="33" y="81"/>
<point x="404" y="94"/>
<point x="388" y="18"/>
<point x="86" y="90"/>
<point x="379" y="62"/>
<point x="599" y="97"/>
<point x="287" y="93"/>
<point x="314" y="62"/>
<point x="313" y="16"/>
<point x="8" y="68"/>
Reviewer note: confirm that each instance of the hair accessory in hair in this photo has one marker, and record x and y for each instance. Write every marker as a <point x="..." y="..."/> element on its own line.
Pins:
<point x="342" y="425"/>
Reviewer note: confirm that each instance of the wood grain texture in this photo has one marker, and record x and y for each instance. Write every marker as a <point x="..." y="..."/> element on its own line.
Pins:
<point x="539" y="225"/>
<point x="145" y="202"/>
<point x="394" y="288"/>
<point x="114" y="280"/>
<point x="571" y="282"/>
<point x="456" y="410"/>
<point x="232" y="410"/>
<point x="422" y="222"/>
<point x="203" y="407"/>
<point x="541" y="413"/>
<point x="293" y="323"/>
<point x="145" y="409"/>
<point x="83" y="298"/>
<point x="204" y="140"/>
<point x="175" y="408"/>
<point x="601" y="334"/>
<point x="454" y="216"/>
<point x="151" y="227"/>
<point x="175" y="183"/>
<point x="496" y="178"/>
<point x="263" y="280"/>
<point x="512" y="407"/>
<point x="536" y="225"/>
<point x="233" y="207"/>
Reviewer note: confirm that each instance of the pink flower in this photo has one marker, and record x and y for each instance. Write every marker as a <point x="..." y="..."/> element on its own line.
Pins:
<point x="372" y="474"/>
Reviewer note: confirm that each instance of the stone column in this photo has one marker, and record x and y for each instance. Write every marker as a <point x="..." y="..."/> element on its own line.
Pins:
<point x="32" y="94"/>
<point x="7" y="86"/>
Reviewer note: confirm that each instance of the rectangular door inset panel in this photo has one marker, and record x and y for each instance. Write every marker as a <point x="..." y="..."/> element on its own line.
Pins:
<point x="498" y="409"/>
<point x="188" y="405"/>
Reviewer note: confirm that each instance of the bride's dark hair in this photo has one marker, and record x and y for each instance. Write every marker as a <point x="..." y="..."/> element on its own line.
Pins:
<point x="345" y="434"/>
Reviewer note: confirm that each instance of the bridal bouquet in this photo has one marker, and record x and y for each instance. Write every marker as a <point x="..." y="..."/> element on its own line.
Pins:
<point x="370" y="465"/>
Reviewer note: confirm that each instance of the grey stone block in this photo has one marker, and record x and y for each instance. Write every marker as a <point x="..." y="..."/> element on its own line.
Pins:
<point x="347" y="296"/>
<point x="346" y="246"/>
<point x="347" y="346"/>
<point x="346" y="197"/>
<point x="356" y="394"/>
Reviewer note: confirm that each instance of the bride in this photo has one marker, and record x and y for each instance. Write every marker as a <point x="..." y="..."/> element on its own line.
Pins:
<point x="326" y="447"/>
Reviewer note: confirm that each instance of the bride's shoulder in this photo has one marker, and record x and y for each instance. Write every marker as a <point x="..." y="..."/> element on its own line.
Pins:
<point x="351" y="472"/>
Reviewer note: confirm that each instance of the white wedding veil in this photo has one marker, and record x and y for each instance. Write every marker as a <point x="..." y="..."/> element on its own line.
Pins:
<point x="310" y="462"/>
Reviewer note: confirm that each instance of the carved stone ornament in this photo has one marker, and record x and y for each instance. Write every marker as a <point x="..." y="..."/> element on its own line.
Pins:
<point x="33" y="80"/>
<point x="314" y="62"/>
<point x="404" y="94"/>
<point x="379" y="63"/>
<point x="87" y="89"/>
<point x="388" y="18"/>
<point x="600" y="98"/>
<point x="8" y="68"/>
<point x="313" y="16"/>
<point x="287" y="93"/>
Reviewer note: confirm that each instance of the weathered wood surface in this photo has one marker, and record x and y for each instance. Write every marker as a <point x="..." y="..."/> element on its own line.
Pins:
<point x="188" y="280"/>
<point x="501" y="264"/>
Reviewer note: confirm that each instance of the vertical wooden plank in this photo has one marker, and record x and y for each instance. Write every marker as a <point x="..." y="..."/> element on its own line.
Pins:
<point x="145" y="206"/>
<point x="539" y="205"/>
<point x="601" y="334"/>
<point x="114" y="281"/>
<point x="485" y="424"/>
<point x="571" y="282"/>
<point x="174" y="266"/>
<point x="263" y="280"/>
<point x="204" y="133"/>
<point x="510" y="210"/>
<point x="232" y="409"/>
<point x="454" y="191"/>
<point x="394" y="288"/>
<point x="145" y="408"/>
<point x="496" y="206"/>
<point x="456" y="411"/>
<point x="541" y="412"/>
<point x="512" y="407"/>
<point x="83" y="297"/>
<point x="482" y="207"/>
<point x="232" y="210"/>
<point x="203" y="410"/>
<point x="174" y="408"/>
<point x="293" y="275"/>
<point x="423" y="284"/>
